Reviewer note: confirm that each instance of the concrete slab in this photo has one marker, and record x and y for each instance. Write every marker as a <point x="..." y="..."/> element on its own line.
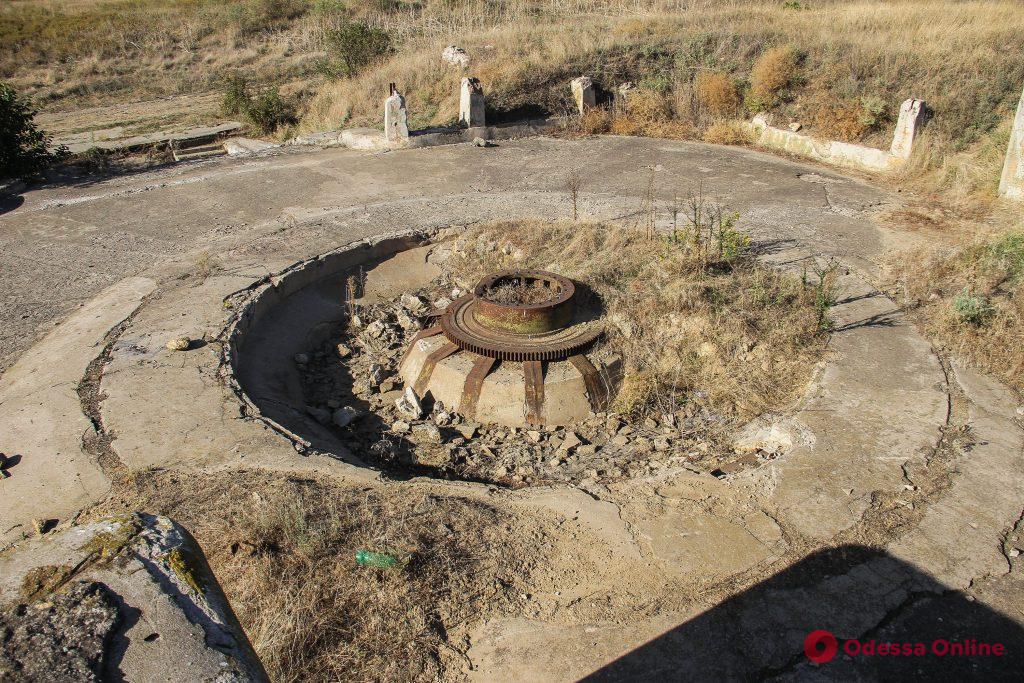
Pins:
<point x="41" y="417"/>
<point x="960" y="539"/>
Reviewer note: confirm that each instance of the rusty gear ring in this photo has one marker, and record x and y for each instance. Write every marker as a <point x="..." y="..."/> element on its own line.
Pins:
<point x="469" y="323"/>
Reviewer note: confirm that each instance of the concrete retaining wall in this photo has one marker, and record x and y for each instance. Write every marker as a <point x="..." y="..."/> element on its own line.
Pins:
<point x="1011" y="184"/>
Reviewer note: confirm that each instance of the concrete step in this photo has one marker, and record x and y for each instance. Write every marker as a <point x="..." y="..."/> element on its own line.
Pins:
<point x="200" y="152"/>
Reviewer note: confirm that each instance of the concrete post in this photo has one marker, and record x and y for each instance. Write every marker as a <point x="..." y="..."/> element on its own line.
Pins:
<point x="1011" y="184"/>
<point x="471" y="103"/>
<point x="912" y="115"/>
<point x="584" y="93"/>
<point x="396" y="119"/>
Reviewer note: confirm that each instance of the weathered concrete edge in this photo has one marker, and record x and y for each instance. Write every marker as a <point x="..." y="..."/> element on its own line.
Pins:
<point x="254" y="302"/>
<point x="114" y="552"/>
<point x="42" y="415"/>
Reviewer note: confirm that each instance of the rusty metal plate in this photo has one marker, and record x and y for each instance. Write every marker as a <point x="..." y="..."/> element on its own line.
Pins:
<point x="482" y="367"/>
<point x="435" y="357"/>
<point x="533" y="378"/>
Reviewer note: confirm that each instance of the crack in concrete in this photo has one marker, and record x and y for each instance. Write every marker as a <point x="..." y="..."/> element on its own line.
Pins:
<point x="1004" y="547"/>
<point x="97" y="443"/>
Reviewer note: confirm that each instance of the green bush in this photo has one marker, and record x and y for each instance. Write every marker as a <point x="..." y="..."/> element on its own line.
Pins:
<point x="972" y="310"/>
<point x="352" y="47"/>
<point x="236" y="100"/>
<point x="268" y="111"/>
<point x="23" y="147"/>
<point x="1006" y="256"/>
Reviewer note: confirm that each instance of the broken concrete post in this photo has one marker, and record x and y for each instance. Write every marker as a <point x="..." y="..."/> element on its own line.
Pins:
<point x="1011" y="184"/>
<point x="396" y="118"/>
<point x="912" y="116"/>
<point x="471" y="103"/>
<point x="584" y="93"/>
<point x="621" y="96"/>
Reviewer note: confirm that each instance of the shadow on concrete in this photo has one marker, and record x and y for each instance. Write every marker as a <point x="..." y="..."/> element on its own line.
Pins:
<point x="861" y="596"/>
<point x="10" y="202"/>
<point x="769" y="247"/>
<point x="85" y="174"/>
<point x="877" y="320"/>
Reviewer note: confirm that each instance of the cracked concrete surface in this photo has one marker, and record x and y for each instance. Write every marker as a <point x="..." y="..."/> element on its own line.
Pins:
<point x="677" y="575"/>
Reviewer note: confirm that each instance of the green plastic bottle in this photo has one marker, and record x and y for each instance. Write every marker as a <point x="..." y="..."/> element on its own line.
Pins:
<point x="368" y="558"/>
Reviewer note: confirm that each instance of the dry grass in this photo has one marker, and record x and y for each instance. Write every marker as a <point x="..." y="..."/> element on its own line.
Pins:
<point x="774" y="71"/>
<point x="726" y="133"/>
<point x="283" y="549"/>
<point x="694" y="325"/>
<point x="963" y="58"/>
<point x="969" y="297"/>
<point x="717" y="94"/>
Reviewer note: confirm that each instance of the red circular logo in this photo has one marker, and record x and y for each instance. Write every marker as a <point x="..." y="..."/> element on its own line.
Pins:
<point x="820" y="646"/>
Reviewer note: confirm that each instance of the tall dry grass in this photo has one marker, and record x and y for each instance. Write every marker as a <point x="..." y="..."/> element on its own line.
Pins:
<point x="966" y="59"/>
<point x="699" y="322"/>
<point x="969" y="298"/>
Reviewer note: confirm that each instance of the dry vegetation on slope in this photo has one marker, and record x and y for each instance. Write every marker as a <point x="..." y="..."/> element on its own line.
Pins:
<point x="841" y="67"/>
<point x="844" y="66"/>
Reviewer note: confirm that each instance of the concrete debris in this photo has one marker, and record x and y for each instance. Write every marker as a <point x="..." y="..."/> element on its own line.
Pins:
<point x="409" y="404"/>
<point x="179" y="344"/>
<point x="344" y="416"/>
<point x="425" y="433"/>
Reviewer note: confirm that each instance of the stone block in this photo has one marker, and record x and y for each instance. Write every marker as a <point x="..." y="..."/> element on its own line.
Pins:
<point x="1011" y="184"/>
<point x="911" y="119"/>
<point x="471" y="103"/>
<point x="584" y="93"/>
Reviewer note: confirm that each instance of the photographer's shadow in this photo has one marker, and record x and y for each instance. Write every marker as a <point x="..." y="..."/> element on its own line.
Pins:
<point x="854" y="592"/>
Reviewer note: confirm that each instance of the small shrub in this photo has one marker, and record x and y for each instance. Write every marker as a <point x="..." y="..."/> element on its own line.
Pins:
<point x="1005" y="256"/>
<point x="649" y="113"/>
<point x="236" y="100"/>
<point x="253" y="16"/>
<point x="352" y="47"/>
<point x="824" y="289"/>
<point x="717" y="94"/>
<point x="837" y="118"/>
<point x="23" y="147"/>
<point x="773" y="72"/>
<point x="266" y="112"/>
<point x="269" y="111"/>
<point x="972" y="310"/>
<point x="732" y="243"/>
<point x="592" y="122"/>
<point x="873" y="111"/>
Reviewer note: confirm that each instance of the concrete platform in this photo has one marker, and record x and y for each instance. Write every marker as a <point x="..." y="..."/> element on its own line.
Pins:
<point x="861" y="522"/>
